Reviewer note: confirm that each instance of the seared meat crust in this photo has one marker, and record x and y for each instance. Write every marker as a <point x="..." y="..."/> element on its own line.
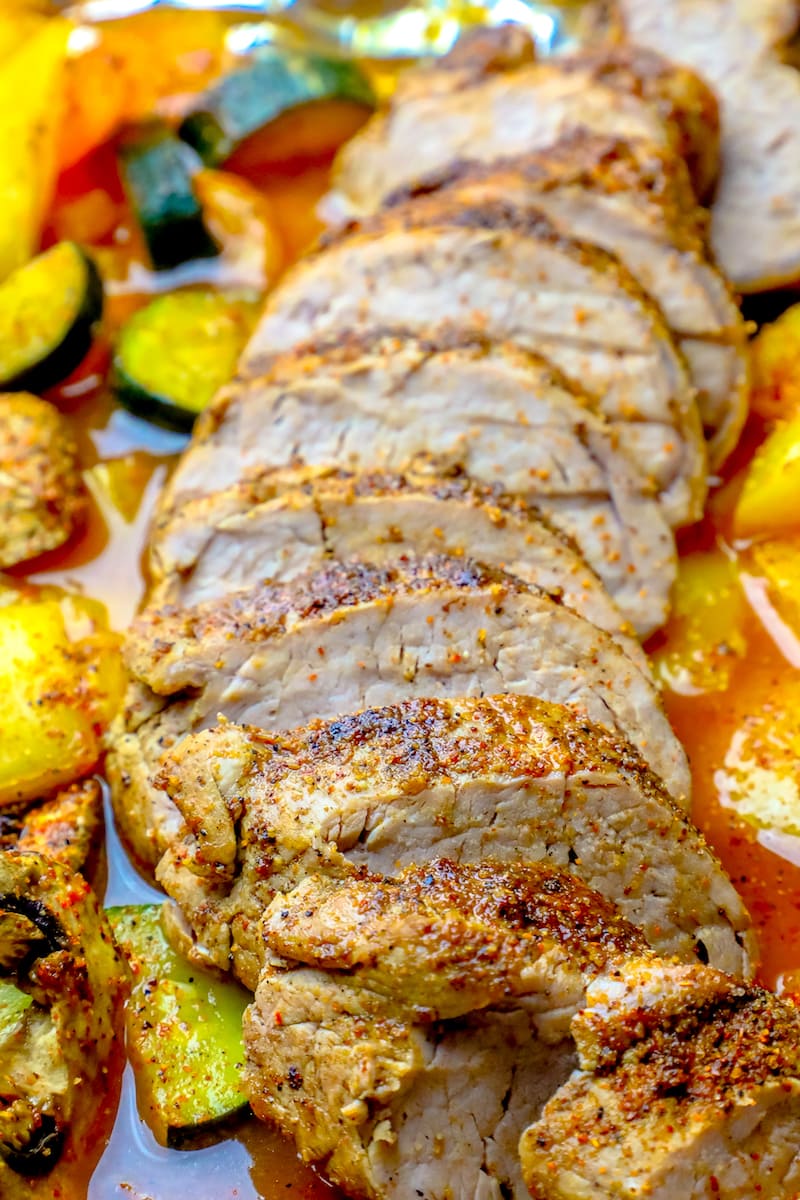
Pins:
<point x="505" y="777"/>
<point x="738" y="47"/>
<point x="456" y="109"/>
<point x="634" y="202"/>
<point x="351" y="634"/>
<point x="505" y="417"/>
<point x="689" y="1084"/>
<point x="415" y="975"/>
<point x="283" y="523"/>
<point x="42" y="497"/>
<point x="586" y="314"/>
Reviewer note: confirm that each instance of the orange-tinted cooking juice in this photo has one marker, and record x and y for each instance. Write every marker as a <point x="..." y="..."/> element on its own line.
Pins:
<point x="127" y="463"/>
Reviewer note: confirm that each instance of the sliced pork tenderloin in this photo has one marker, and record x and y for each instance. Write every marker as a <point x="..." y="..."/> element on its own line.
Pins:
<point x="406" y="1030"/>
<point x="508" y="777"/>
<point x="465" y="109"/>
<point x="437" y="264"/>
<point x="353" y="635"/>
<point x="500" y="414"/>
<point x="636" y="203"/>
<point x="739" y="47"/>
<point x="689" y="1085"/>
<point x="284" y="523"/>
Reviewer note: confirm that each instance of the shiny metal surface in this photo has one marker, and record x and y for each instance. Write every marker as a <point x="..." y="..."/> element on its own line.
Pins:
<point x="368" y="30"/>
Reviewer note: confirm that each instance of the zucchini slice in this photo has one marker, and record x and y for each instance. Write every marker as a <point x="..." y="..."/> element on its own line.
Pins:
<point x="157" y="171"/>
<point x="275" y="82"/>
<point x="173" y="355"/>
<point x="184" y="1031"/>
<point x="48" y="310"/>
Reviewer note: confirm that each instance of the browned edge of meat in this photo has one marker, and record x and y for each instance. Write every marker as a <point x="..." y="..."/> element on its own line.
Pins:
<point x="606" y="329"/>
<point x="741" y="47"/>
<point x="506" y="777"/>
<point x="280" y="523"/>
<point x="689" y="1084"/>
<point x="410" y="977"/>
<point x="633" y="201"/>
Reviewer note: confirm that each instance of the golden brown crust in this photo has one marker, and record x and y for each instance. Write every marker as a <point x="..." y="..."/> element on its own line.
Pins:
<point x="472" y="922"/>
<point x="591" y="162"/>
<point x="42" y="497"/>
<point x="449" y="210"/>
<point x="264" y="611"/>
<point x="686" y="104"/>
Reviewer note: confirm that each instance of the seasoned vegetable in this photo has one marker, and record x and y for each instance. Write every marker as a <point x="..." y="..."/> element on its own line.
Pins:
<point x="770" y="499"/>
<point x="158" y="169"/>
<point x="778" y="562"/>
<point x="775" y="355"/>
<point x="705" y="635"/>
<point x="241" y="221"/>
<point x="31" y="106"/>
<point x="118" y="71"/>
<point x="42" y="497"/>
<point x="275" y="82"/>
<point x="66" y="828"/>
<point x="61" y="681"/>
<point x="48" y="310"/>
<point x="62" y="982"/>
<point x="184" y="1030"/>
<point x="174" y="354"/>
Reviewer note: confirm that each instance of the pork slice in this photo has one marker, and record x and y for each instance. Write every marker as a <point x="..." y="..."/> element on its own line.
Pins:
<point x="635" y="202"/>
<point x="738" y="45"/>
<point x="452" y="111"/>
<point x="352" y="635"/>
<point x="435" y="264"/>
<point x="508" y="777"/>
<point x="689" y="1085"/>
<point x="283" y="523"/>
<point x="429" y="1014"/>
<point x="501" y="415"/>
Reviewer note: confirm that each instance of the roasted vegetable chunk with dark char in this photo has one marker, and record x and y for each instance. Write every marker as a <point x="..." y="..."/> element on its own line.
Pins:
<point x="61" y="980"/>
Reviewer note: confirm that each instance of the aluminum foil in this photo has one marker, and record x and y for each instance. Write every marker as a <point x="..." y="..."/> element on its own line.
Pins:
<point x="377" y="31"/>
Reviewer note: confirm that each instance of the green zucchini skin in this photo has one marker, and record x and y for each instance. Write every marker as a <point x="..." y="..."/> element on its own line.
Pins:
<point x="71" y="344"/>
<point x="173" y="354"/>
<point x="160" y="410"/>
<point x="157" y="169"/>
<point x="186" y="1082"/>
<point x="273" y="83"/>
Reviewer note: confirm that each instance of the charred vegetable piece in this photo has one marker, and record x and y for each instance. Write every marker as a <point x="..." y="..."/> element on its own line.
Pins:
<point x="48" y="310"/>
<point x="157" y="169"/>
<point x="59" y="1003"/>
<point x="174" y="354"/>
<point x="67" y="827"/>
<point x="275" y="82"/>
<point x="184" y="1031"/>
<point x="61" y="681"/>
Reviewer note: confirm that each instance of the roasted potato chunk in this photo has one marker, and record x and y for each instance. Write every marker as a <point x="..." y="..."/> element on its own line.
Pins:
<point x="42" y="497"/>
<point x="60" y="684"/>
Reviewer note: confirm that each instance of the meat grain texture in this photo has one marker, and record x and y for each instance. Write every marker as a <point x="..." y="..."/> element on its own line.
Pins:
<point x="503" y="777"/>
<point x="635" y="202"/>
<point x="739" y="47"/>
<point x="435" y="264"/>
<point x="504" y="417"/>
<point x="406" y="1031"/>
<point x="351" y="636"/>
